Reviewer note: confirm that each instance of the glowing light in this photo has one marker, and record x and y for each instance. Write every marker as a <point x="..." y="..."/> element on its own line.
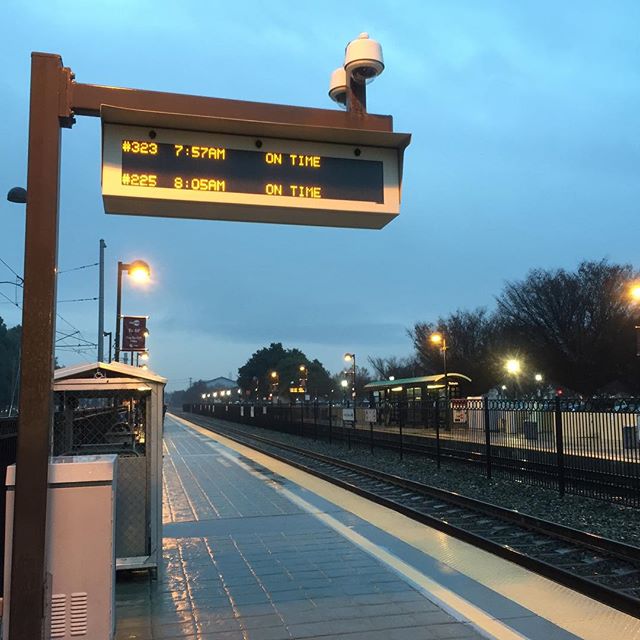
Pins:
<point x="436" y="338"/>
<point x="344" y="384"/>
<point x="512" y="366"/>
<point x="144" y="356"/>
<point x="274" y="374"/>
<point x="303" y="368"/>
<point x="139" y="271"/>
<point x="634" y="292"/>
<point x="538" y="377"/>
<point x="348" y="357"/>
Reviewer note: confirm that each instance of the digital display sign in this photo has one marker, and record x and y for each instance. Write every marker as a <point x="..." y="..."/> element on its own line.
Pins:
<point x="221" y="169"/>
<point x="223" y="176"/>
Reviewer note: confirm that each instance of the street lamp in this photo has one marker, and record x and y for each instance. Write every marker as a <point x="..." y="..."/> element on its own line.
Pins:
<point x="438" y="339"/>
<point x="303" y="377"/>
<point x="351" y="357"/>
<point x="634" y="295"/>
<point x="140" y="272"/>
<point x="344" y="384"/>
<point x="513" y="366"/>
<point x="275" y="384"/>
<point x="538" y="377"/>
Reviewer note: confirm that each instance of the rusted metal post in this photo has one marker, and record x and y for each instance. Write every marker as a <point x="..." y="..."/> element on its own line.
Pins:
<point x="53" y="102"/>
<point x="118" y="313"/>
<point x="356" y="97"/>
<point x="48" y="105"/>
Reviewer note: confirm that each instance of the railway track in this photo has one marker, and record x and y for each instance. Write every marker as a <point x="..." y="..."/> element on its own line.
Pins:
<point x="603" y="569"/>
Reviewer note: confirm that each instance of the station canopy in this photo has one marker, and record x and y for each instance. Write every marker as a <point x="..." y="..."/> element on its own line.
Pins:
<point x="105" y="375"/>
<point x="435" y="380"/>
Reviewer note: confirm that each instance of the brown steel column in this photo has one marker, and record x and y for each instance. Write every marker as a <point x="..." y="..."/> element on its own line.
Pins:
<point x="27" y="609"/>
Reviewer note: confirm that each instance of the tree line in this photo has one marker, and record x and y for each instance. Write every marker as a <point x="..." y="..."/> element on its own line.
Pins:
<point x="9" y="359"/>
<point x="576" y="329"/>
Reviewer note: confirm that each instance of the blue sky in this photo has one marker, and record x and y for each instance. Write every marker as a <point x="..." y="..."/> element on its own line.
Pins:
<point x="526" y="147"/>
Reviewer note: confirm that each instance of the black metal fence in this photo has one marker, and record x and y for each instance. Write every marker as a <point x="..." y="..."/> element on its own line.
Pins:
<point x="587" y="448"/>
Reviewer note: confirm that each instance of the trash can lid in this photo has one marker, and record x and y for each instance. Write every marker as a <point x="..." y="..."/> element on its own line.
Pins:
<point x="75" y="469"/>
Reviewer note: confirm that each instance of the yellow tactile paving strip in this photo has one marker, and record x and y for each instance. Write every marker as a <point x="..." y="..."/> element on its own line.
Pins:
<point x="572" y="611"/>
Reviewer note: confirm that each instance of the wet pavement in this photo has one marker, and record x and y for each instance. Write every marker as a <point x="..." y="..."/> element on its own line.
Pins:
<point x="243" y="561"/>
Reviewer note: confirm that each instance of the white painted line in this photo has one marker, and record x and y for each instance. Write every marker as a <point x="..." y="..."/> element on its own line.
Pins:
<point x="456" y="606"/>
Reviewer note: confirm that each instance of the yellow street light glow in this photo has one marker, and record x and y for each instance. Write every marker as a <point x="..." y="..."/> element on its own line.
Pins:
<point x="634" y="292"/>
<point x="436" y="338"/>
<point x="139" y="271"/>
<point x="348" y="357"/>
<point x="274" y="374"/>
<point x="303" y="368"/>
<point x="512" y="366"/>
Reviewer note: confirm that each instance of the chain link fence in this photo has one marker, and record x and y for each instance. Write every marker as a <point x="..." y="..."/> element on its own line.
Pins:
<point x="92" y="422"/>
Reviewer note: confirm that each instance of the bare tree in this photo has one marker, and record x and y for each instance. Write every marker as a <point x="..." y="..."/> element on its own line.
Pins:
<point x="471" y="336"/>
<point x="577" y="325"/>
<point x="384" y="368"/>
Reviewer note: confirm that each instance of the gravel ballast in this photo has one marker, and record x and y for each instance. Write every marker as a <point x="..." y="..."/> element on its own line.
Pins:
<point x="602" y="518"/>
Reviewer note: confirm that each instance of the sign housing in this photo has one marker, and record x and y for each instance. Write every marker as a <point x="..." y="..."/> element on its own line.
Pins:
<point x="222" y="169"/>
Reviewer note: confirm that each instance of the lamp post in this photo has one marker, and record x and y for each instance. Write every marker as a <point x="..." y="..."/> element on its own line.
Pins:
<point x="303" y="377"/>
<point x="275" y="383"/>
<point x="438" y="339"/>
<point x="351" y="357"/>
<point x="513" y="367"/>
<point x="139" y="271"/>
<point x="634" y="295"/>
<point x="344" y="384"/>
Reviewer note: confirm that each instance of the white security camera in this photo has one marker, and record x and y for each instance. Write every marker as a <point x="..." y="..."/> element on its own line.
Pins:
<point x="363" y="59"/>
<point x="338" y="86"/>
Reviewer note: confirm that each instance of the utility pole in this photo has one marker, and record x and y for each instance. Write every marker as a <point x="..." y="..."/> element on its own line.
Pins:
<point x="101" y="304"/>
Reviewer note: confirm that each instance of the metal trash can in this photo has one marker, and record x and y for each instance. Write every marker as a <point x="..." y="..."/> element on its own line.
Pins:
<point x="630" y="437"/>
<point x="530" y="430"/>
<point x="118" y="409"/>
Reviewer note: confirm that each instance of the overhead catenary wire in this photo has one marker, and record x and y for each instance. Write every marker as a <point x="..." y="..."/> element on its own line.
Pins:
<point x="86" y="345"/>
<point x="84" y="266"/>
<point x="15" y="273"/>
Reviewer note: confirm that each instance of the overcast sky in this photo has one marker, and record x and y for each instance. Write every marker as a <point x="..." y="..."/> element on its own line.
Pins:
<point x="525" y="119"/>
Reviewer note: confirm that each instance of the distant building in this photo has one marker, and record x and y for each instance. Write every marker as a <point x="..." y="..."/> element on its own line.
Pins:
<point x="221" y="389"/>
<point x="220" y="383"/>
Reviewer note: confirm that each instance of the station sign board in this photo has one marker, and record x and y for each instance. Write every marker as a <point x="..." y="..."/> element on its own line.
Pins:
<point x="268" y="176"/>
<point x="348" y="415"/>
<point x="134" y="330"/>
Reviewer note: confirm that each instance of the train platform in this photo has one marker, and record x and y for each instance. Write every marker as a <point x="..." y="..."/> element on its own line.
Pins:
<point x="255" y="549"/>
